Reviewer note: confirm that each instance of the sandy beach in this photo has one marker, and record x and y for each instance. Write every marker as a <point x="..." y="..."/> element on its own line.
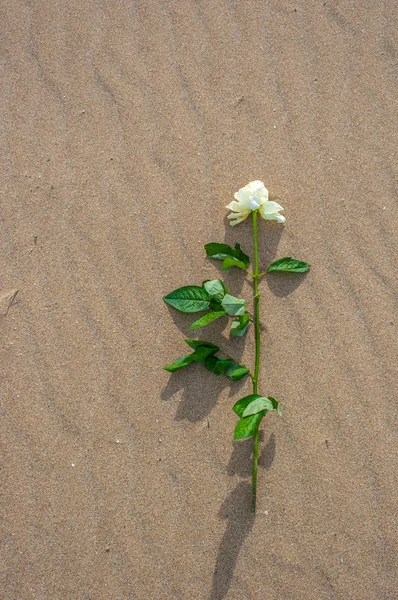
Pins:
<point x="126" y="127"/>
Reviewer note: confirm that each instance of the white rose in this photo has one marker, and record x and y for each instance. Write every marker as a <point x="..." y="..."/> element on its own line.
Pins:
<point x="254" y="196"/>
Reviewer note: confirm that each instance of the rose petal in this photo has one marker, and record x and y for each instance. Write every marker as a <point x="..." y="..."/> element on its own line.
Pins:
<point x="239" y="220"/>
<point x="255" y="185"/>
<point x="243" y="196"/>
<point x="236" y="206"/>
<point x="280" y="218"/>
<point x="259" y="190"/>
<point x="243" y="213"/>
<point x="270" y="207"/>
<point x="274" y="217"/>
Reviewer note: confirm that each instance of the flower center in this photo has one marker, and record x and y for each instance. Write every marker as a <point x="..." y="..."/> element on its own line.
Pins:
<point x="254" y="202"/>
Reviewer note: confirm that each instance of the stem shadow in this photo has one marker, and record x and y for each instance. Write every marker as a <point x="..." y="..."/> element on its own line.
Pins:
<point x="280" y="284"/>
<point x="269" y="232"/>
<point x="236" y="510"/>
<point x="239" y="524"/>
<point x="240" y="462"/>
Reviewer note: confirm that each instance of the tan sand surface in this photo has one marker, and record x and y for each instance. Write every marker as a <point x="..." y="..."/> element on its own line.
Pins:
<point x="126" y="126"/>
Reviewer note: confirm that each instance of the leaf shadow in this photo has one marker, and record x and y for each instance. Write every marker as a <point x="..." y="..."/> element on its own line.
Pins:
<point x="234" y="279"/>
<point x="280" y="284"/>
<point x="283" y="284"/>
<point x="216" y="332"/>
<point x="201" y="390"/>
<point x="183" y="321"/>
<point x="239" y="524"/>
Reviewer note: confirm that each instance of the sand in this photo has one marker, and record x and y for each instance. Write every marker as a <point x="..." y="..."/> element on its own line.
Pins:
<point x="126" y="127"/>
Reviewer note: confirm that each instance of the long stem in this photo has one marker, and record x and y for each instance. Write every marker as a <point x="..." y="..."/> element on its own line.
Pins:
<point x="257" y="359"/>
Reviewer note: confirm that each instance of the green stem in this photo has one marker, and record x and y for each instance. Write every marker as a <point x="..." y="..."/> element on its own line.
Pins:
<point x="257" y="359"/>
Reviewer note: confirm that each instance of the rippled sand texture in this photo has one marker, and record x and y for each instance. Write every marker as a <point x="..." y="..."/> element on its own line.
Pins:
<point x="126" y="126"/>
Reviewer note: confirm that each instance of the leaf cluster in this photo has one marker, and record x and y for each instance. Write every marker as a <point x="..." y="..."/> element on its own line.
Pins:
<point x="251" y="410"/>
<point x="235" y="257"/>
<point x="230" y="257"/>
<point x="213" y="297"/>
<point x="206" y="353"/>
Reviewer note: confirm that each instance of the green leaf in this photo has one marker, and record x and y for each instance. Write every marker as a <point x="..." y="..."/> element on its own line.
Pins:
<point x="222" y="365"/>
<point x="197" y="343"/>
<point x="233" y="306"/>
<point x="218" y="251"/>
<point x="189" y="299"/>
<point x="237" y="371"/>
<point x="244" y="319"/>
<point x="202" y="352"/>
<point x="216" y="305"/>
<point x="239" y="327"/>
<point x="207" y="318"/>
<point x="230" y="262"/>
<point x="227" y="366"/>
<point x="275" y="405"/>
<point x="241" y="405"/>
<point x="223" y="251"/>
<point x="181" y="362"/>
<point x="210" y="362"/>
<point x="257" y="406"/>
<point x="288" y="265"/>
<point x="215" y="288"/>
<point x="247" y="426"/>
<point x="254" y="403"/>
<point x="240" y="255"/>
<point x="237" y="330"/>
